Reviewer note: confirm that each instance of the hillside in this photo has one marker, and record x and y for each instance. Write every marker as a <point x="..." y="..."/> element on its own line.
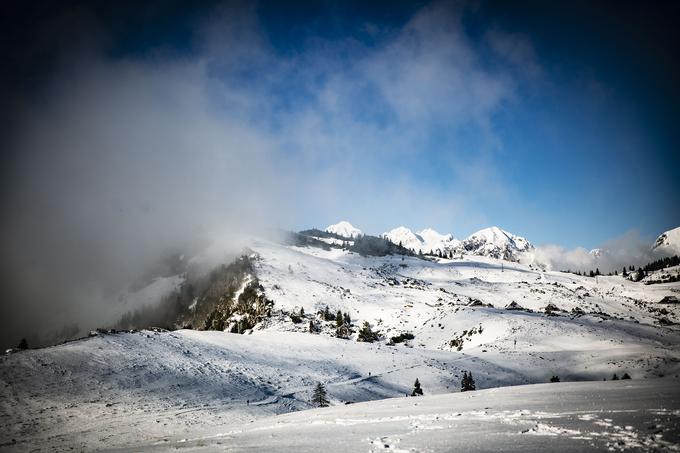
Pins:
<point x="507" y="323"/>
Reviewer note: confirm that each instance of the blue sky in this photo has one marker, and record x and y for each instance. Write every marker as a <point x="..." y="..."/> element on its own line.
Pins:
<point x="555" y="122"/>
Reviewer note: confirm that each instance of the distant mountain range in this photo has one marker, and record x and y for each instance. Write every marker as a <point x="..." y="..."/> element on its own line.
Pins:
<point x="492" y="242"/>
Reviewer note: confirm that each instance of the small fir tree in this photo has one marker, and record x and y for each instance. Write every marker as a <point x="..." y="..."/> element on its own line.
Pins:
<point x="23" y="344"/>
<point x="417" y="391"/>
<point x="319" y="397"/>
<point x="555" y="379"/>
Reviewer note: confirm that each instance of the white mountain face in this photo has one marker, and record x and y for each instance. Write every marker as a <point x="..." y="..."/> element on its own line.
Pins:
<point x="345" y="229"/>
<point x="425" y="240"/>
<point x="496" y="243"/>
<point x="668" y="242"/>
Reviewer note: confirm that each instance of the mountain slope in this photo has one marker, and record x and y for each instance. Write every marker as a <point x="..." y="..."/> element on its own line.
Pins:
<point x="344" y="229"/>
<point x="668" y="242"/>
<point x="423" y="241"/>
<point x="507" y="323"/>
<point x="497" y="243"/>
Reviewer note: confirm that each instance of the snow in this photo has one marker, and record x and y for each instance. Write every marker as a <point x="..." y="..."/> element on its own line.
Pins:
<point x="426" y="240"/>
<point x="592" y="416"/>
<point x="497" y="243"/>
<point x="668" y="242"/>
<point x="344" y="229"/>
<point x="154" y="389"/>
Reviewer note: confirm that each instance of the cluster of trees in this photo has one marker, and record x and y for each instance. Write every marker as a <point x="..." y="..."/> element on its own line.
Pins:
<point x="377" y="246"/>
<point x="632" y="273"/>
<point x="343" y="325"/>
<point x="616" y="378"/>
<point x="662" y="263"/>
<point x="467" y="384"/>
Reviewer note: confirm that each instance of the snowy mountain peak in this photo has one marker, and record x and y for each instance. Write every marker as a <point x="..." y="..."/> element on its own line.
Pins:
<point x="668" y="242"/>
<point x="425" y="240"/>
<point x="430" y="235"/>
<point x="497" y="243"/>
<point x="345" y="229"/>
<point x="405" y="237"/>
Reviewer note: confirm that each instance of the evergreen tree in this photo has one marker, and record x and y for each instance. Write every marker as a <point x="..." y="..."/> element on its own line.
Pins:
<point x="312" y="327"/>
<point x="417" y="391"/>
<point x="592" y="274"/>
<point x="597" y="271"/>
<point x="625" y="376"/>
<point x="341" y="329"/>
<point x="366" y="334"/>
<point x="624" y="273"/>
<point x="23" y="344"/>
<point x="327" y="314"/>
<point x="302" y="312"/>
<point x="319" y="396"/>
<point x="615" y="378"/>
<point x="555" y="379"/>
<point x="347" y="319"/>
<point x="467" y="383"/>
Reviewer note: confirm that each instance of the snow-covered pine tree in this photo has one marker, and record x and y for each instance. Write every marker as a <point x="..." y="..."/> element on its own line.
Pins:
<point x="417" y="391"/>
<point x="319" y="396"/>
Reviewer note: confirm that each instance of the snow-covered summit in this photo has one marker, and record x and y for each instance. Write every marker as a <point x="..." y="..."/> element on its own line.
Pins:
<point x="668" y="242"/>
<point x="496" y="243"/>
<point x="424" y="240"/>
<point x="405" y="237"/>
<point x="345" y="229"/>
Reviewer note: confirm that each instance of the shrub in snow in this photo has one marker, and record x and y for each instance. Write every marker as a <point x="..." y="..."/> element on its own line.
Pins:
<point x="402" y="337"/>
<point x="366" y="334"/>
<point x="555" y="379"/>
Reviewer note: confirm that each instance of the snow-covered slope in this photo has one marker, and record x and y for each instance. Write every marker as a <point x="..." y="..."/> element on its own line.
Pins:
<point x="668" y="242"/>
<point x="423" y="241"/>
<point x="506" y="322"/>
<point x="497" y="243"/>
<point x="578" y="417"/>
<point x="344" y="229"/>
